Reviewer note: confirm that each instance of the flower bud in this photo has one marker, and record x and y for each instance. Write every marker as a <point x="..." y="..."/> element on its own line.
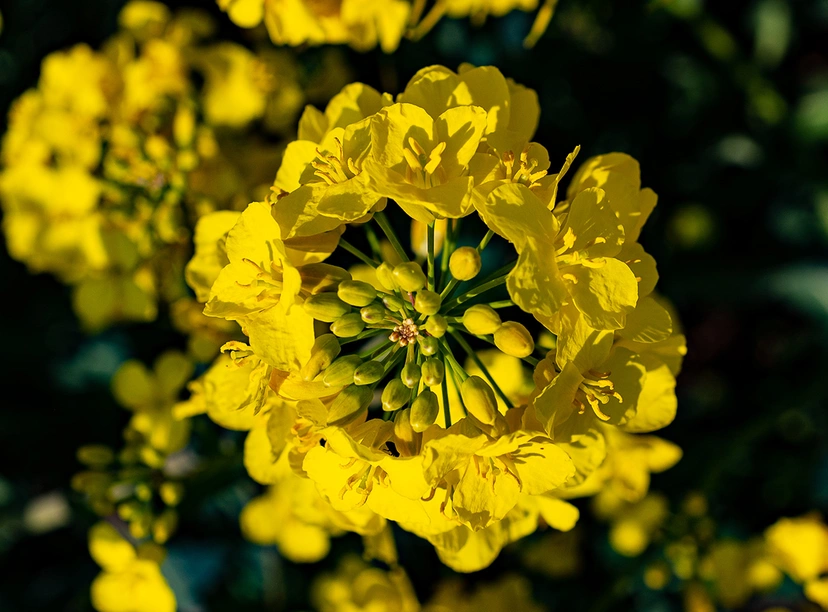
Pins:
<point x="514" y="339"/>
<point x="164" y="526"/>
<point x="402" y="426"/>
<point x="368" y="373"/>
<point x="349" y="405"/>
<point x="326" y="307"/>
<point x="410" y="375"/>
<point x="424" y="410"/>
<point x="479" y="399"/>
<point x="322" y="277"/>
<point x="348" y="326"/>
<point x="171" y="492"/>
<point x="392" y="302"/>
<point x="341" y="371"/>
<point x="481" y="320"/>
<point x="373" y="313"/>
<point x="324" y="350"/>
<point x="385" y="275"/>
<point x="395" y="395"/>
<point x="428" y="345"/>
<point x="95" y="455"/>
<point x="356" y="293"/>
<point x="436" y="325"/>
<point x="427" y="302"/>
<point x="433" y="372"/>
<point x="409" y="276"/>
<point x="464" y="263"/>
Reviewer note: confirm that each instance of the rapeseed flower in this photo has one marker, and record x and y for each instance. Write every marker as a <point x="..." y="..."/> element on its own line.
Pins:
<point x="349" y="379"/>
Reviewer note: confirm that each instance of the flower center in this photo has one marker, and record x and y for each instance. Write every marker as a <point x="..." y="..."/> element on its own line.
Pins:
<point x="405" y="333"/>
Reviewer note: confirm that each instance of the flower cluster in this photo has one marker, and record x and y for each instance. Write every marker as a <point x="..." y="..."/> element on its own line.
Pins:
<point x="364" y="24"/>
<point x="349" y="378"/>
<point x="117" y="152"/>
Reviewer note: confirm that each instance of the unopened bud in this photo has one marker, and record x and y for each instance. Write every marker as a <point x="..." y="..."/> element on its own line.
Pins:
<point x="171" y="492"/>
<point x="428" y="345"/>
<point x="433" y="372"/>
<point x="514" y="339"/>
<point x="341" y="371"/>
<point x="409" y="276"/>
<point x="410" y="375"/>
<point x="481" y="320"/>
<point x="326" y="307"/>
<point x="392" y="302"/>
<point x="424" y="410"/>
<point x="479" y="399"/>
<point x="427" y="302"/>
<point x="368" y="373"/>
<point x="385" y="275"/>
<point x="348" y="326"/>
<point x="164" y="526"/>
<point x="395" y="395"/>
<point x="95" y="455"/>
<point x="402" y="426"/>
<point x="356" y="293"/>
<point x="324" y="350"/>
<point x="322" y="277"/>
<point x="349" y="405"/>
<point x="464" y="263"/>
<point x="374" y="313"/>
<point x="436" y="325"/>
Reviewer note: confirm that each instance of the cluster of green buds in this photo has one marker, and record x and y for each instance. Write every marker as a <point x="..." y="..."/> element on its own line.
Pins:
<point x="124" y="485"/>
<point x="405" y="325"/>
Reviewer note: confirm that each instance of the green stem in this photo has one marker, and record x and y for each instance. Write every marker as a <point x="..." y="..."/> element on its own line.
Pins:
<point x="482" y="288"/>
<point x="470" y="352"/>
<point x="363" y="335"/>
<point x="501" y="304"/>
<point x="357" y="253"/>
<point x="430" y="233"/>
<point x="485" y="241"/>
<point x="373" y="241"/>
<point x="455" y="366"/>
<point x="446" y="407"/>
<point x="378" y="350"/>
<point x="385" y="226"/>
<point x="448" y="247"/>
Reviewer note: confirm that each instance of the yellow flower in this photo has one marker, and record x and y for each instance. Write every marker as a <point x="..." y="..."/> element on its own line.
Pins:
<point x="633" y="525"/>
<point x="358" y="586"/>
<point x="151" y="395"/>
<point x="361" y="24"/>
<point x="509" y="593"/>
<point x="131" y="580"/>
<point x="799" y="547"/>
<point x="737" y="570"/>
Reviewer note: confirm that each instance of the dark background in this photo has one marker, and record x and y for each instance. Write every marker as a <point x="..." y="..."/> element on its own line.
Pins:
<point x="725" y="105"/>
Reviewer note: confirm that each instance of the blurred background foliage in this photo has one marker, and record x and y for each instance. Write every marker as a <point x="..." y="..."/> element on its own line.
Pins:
<point x="725" y="104"/>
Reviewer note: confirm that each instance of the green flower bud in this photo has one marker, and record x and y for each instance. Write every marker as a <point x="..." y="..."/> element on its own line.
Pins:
<point x="322" y="277"/>
<point x="143" y="492"/>
<point x="436" y="325"/>
<point x="129" y="509"/>
<point x="433" y="372"/>
<point x="324" y="350"/>
<point x="409" y="276"/>
<point x="410" y="375"/>
<point x="95" y="455"/>
<point x="349" y="405"/>
<point x="481" y="320"/>
<point x="373" y="313"/>
<point x="326" y="307"/>
<point x="164" y="526"/>
<point x="479" y="399"/>
<point x="514" y="339"/>
<point x="395" y="395"/>
<point x="341" y="371"/>
<point x="139" y="526"/>
<point x="392" y="302"/>
<point x="348" y="326"/>
<point x="356" y="293"/>
<point x="369" y="372"/>
<point x="428" y="345"/>
<point x="427" y="302"/>
<point x="402" y="426"/>
<point x="171" y="492"/>
<point x="424" y="410"/>
<point x="385" y="275"/>
<point x="464" y="263"/>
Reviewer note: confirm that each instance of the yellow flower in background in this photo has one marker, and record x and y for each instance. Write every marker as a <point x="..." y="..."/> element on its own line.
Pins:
<point x="131" y="580"/>
<point x="111" y="158"/>
<point x="739" y="569"/>
<point x="509" y="593"/>
<point x="799" y="547"/>
<point x="357" y="586"/>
